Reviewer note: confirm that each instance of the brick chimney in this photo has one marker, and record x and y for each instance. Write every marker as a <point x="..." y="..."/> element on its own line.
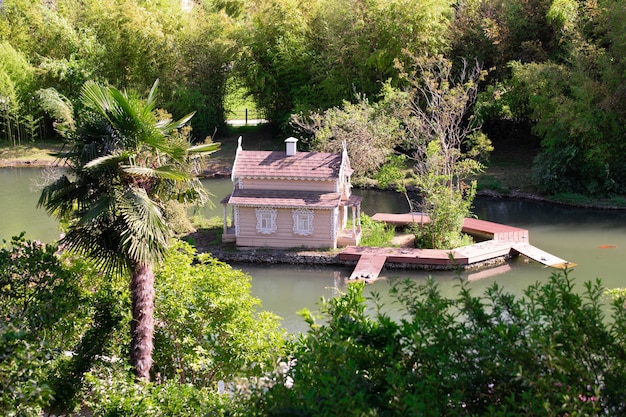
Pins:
<point x="291" y="146"/>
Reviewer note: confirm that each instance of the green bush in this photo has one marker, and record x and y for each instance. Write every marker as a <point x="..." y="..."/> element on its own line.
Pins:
<point x="208" y="326"/>
<point x="552" y="352"/>
<point x="375" y="233"/>
<point x="121" y="396"/>
<point x="23" y="391"/>
<point x="42" y="313"/>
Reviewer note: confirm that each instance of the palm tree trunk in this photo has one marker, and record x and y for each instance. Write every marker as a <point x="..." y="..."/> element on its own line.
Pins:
<point x="142" y="324"/>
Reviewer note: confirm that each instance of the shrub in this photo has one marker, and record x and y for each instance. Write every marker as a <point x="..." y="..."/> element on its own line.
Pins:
<point x="208" y="326"/>
<point x="375" y="233"/>
<point x="41" y="313"/>
<point x="121" y="396"/>
<point x="551" y="352"/>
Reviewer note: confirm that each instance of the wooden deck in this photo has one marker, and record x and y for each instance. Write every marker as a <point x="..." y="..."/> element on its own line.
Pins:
<point x="501" y="241"/>
<point x="368" y="267"/>
<point x="475" y="227"/>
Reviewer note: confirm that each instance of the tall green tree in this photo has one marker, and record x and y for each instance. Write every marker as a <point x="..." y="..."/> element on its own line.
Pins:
<point x="127" y="160"/>
<point x="370" y="131"/>
<point x="16" y="77"/>
<point x="577" y="102"/>
<point x="276" y="59"/>
<point x="313" y="55"/>
<point x="496" y="32"/>
<point x="445" y="141"/>
<point x="208" y="47"/>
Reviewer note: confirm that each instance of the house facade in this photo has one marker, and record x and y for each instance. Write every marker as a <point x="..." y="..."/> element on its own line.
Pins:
<point x="287" y="199"/>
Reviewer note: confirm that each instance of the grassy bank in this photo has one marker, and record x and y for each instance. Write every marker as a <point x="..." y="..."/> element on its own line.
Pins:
<point x="32" y="153"/>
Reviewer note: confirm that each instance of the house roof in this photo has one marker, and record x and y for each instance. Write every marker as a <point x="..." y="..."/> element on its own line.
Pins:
<point x="276" y="165"/>
<point x="287" y="199"/>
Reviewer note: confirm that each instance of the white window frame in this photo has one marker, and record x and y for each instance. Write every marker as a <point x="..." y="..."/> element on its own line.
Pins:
<point x="266" y="221"/>
<point x="302" y="222"/>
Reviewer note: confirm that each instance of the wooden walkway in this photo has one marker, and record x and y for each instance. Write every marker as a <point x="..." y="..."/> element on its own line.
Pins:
<point x="368" y="267"/>
<point x="479" y="228"/>
<point x="540" y="256"/>
<point x="501" y="241"/>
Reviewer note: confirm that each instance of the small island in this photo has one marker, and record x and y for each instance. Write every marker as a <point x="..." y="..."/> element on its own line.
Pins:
<point x="288" y="199"/>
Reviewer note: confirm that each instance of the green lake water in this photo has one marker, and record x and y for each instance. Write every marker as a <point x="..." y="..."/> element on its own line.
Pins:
<point x="574" y="234"/>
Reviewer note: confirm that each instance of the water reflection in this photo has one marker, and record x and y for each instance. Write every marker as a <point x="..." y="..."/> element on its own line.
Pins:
<point x="20" y="189"/>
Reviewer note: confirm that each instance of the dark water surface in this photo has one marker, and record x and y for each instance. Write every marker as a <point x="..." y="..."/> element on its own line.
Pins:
<point x="574" y="234"/>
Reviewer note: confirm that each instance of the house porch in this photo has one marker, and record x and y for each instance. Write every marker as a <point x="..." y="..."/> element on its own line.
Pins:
<point x="350" y="232"/>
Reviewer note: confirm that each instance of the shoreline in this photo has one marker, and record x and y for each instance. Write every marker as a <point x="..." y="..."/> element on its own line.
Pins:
<point x="324" y="258"/>
<point x="217" y="169"/>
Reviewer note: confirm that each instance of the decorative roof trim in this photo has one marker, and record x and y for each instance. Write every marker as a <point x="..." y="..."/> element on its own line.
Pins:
<point x="273" y="177"/>
<point x="239" y="148"/>
<point x="287" y="206"/>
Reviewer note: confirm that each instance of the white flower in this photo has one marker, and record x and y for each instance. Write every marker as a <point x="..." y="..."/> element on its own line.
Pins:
<point x="283" y="368"/>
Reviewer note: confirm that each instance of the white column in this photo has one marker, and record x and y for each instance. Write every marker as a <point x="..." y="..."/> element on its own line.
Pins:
<point x="225" y="218"/>
<point x="353" y="222"/>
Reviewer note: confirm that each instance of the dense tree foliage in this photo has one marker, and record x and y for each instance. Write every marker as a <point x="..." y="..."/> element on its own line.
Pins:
<point x="554" y="66"/>
<point x="370" y="131"/>
<point x="46" y="306"/>
<point x="208" y="327"/>
<point x="63" y="335"/>
<point x="445" y="141"/>
<point x="577" y="102"/>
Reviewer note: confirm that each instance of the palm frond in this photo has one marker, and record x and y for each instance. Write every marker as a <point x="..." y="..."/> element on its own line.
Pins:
<point x="126" y="107"/>
<point x="204" y="149"/>
<point x="146" y="232"/>
<point x="101" y="207"/>
<point x="161" y="143"/>
<point x="164" y="172"/>
<point x="112" y="220"/>
<point x="57" y="197"/>
<point x="150" y="103"/>
<point x="108" y="160"/>
<point x="98" y="99"/>
<point x="99" y="242"/>
<point x="167" y="126"/>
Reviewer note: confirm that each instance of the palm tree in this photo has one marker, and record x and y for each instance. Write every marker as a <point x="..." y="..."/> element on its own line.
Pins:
<point x="127" y="160"/>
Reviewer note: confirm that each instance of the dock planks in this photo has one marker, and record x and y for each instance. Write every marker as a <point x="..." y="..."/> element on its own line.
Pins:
<point x="483" y="228"/>
<point x="503" y="240"/>
<point x="368" y="267"/>
<point x="541" y="256"/>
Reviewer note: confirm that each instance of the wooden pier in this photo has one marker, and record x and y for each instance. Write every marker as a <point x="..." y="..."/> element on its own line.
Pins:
<point x="499" y="241"/>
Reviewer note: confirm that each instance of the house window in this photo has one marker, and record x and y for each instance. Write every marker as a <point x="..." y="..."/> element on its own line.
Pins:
<point x="266" y="221"/>
<point x="302" y="222"/>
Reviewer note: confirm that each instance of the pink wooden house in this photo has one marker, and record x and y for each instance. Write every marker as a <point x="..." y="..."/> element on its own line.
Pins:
<point x="292" y="199"/>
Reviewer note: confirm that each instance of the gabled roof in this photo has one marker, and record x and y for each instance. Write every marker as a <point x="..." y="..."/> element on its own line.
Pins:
<point x="286" y="199"/>
<point x="277" y="164"/>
